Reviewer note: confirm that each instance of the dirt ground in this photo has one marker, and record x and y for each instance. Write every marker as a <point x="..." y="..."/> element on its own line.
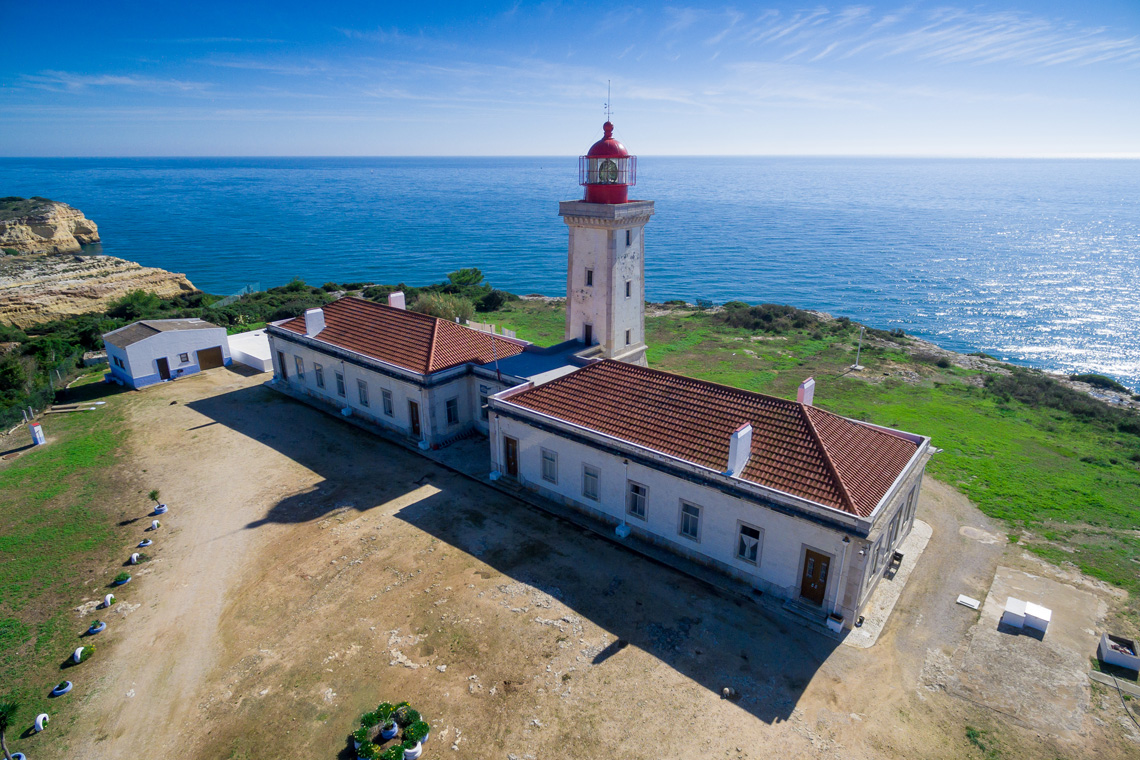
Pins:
<point x="307" y="571"/>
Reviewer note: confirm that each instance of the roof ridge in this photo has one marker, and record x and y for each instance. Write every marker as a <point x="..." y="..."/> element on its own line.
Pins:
<point x="827" y="458"/>
<point x="432" y="344"/>
<point x="694" y="380"/>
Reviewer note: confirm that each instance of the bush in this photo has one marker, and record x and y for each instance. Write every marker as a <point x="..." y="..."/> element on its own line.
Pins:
<point x="444" y="306"/>
<point x="368" y="751"/>
<point x="406" y="716"/>
<point x="1100" y="381"/>
<point x="369" y="719"/>
<point x="732" y="305"/>
<point x="384" y="713"/>
<point x="416" y="732"/>
<point x="362" y="734"/>
<point x="943" y="362"/>
<point x="1039" y="391"/>
<point x="767" y="317"/>
<point x="395" y="752"/>
<point x="122" y="577"/>
<point x="1130" y="425"/>
<point x="330" y="287"/>
<point x="495" y="300"/>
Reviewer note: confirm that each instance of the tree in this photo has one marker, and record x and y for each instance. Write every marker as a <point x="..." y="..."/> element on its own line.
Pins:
<point x="466" y="278"/>
<point x="135" y="305"/>
<point x="8" y="710"/>
<point x="444" y="306"/>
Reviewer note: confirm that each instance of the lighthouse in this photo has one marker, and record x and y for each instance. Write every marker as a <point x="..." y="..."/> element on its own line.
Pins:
<point x="605" y="271"/>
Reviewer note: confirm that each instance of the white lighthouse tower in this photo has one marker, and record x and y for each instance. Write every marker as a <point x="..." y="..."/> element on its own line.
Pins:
<point x="605" y="273"/>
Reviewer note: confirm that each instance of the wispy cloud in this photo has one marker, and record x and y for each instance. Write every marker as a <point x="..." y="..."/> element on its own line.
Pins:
<point x="944" y="36"/>
<point x="65" y="81"/>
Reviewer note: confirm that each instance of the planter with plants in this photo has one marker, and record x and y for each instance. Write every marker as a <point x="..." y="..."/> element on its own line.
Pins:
<point x="41" y="722"/>
<point x="406" y="715"/>
<point x="395" y="752"/>
<point x="108" y="600"/>
<point x="121" y="578"/>
<point x="97" y="626"/>
<point x="135" y="558"/>
<point x="160" y="509"/>
<point x="62" y="688"/>
<point x="412" y="750"/>
<point x="145" y="543"/>
<point x="154" y="525"/>
<point x="154" y="496"/>
<point x="360" y="737"/>
<point x="368" y="751"/>
<point x="82" y="654"/>
<point x="385" y="715"/>
<point x="417" y="732"/>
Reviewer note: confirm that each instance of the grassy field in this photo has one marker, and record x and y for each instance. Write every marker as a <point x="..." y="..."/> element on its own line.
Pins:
<point x="1067" y="488"/>
<point x="58" y="540"/>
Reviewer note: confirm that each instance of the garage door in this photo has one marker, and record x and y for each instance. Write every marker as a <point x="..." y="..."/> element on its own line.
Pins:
<point x="208" y="358"/>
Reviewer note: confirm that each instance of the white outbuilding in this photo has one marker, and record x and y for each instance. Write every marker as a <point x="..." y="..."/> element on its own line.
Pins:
<point x="156" y="350"/>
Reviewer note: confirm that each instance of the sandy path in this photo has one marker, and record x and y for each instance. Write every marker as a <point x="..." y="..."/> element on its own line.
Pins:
<point x="164" y="651"/>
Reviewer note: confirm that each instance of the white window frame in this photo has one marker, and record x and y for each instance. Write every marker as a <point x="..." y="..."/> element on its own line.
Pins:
<point x="484" y="392"/>
<point x="319" y="374"/>
<point x="299" y="363"/>
<point x="590" y="471"/>
<point x="341" y="386"/>
<point x="630" y="495"/>
<point x="386" y="400"/>
<point x="551" y="458"/>
<point x="451" y="407"/>
<point x="362" y="391"/>
<point x="681" y="520"/>
<point x="184" y="358"/>
<point x="759" y="548"/>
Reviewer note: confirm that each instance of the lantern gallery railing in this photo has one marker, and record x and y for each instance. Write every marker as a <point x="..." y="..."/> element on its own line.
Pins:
<point x="607" y="171"/>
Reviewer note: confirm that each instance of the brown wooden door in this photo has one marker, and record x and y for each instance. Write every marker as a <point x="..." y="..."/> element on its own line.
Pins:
<point x="281" y="366"/>
<point x="414" y="414"/>
<point x="814" y="581"/>
<point x="163" y="368"/>
<point x="208" y="358"/>
<point x="588" y="335"/>
<point x="511" y="456"/>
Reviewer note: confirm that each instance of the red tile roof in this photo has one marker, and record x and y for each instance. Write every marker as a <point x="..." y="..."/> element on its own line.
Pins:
<point x="407" y="339"/>
<point x="797" y="449"/>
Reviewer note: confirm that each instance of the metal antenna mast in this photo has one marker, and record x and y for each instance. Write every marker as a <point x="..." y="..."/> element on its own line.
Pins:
<point x="608" y="111"/>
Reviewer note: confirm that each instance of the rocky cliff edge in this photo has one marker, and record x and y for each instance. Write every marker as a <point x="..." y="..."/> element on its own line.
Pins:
<point x="39" y="225"/>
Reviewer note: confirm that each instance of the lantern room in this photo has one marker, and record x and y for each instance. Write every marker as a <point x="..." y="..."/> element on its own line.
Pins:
<point x="607" y="171"/>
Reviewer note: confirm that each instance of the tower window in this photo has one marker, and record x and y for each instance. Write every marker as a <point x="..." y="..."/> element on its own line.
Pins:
<point x="627" y="337"/>
<point x="628" y="288"/>
<point x="628" y="238"/>
<point x="589" y="278"/>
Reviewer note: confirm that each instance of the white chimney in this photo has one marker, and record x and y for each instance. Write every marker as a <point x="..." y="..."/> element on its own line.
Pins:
<point x="396" y="300"/>
<point x="806" y="393"/>
<point x="314" y="321"/>
<point x="739" y="450"/>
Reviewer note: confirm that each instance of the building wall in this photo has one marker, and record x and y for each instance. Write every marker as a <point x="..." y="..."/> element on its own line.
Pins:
<point x="783" y="540"/>
<point x="141" y="358"/>
<point x="457" y="384"/>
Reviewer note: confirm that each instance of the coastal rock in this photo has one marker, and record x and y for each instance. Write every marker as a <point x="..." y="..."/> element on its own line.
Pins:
<point x="38" y="225"/>
<point x="41" y="288"/>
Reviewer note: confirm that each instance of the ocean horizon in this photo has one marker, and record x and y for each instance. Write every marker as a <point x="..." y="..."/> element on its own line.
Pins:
<point x="1031" y="260"/>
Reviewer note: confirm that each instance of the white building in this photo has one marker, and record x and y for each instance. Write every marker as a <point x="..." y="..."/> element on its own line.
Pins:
<point x="794" y="500"/>
<point x="418" y="376"/>
<point x="156" y="350"/>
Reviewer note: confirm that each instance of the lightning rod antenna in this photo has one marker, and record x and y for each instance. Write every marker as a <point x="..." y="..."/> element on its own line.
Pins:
<point x="608" y="111"/>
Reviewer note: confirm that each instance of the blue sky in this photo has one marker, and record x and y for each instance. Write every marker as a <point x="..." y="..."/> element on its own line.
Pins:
<point x="146" y="79"/>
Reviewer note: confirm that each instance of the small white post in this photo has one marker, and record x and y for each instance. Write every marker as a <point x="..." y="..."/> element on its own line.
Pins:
<point x="857" y="365"/>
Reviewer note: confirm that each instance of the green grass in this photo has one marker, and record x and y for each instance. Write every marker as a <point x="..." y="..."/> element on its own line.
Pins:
<point x="56" y="527"/>
<point x="1069" y="487"/>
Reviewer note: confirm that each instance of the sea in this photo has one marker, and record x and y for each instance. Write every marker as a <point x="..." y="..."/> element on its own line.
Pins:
<point x="1032" y="261"/>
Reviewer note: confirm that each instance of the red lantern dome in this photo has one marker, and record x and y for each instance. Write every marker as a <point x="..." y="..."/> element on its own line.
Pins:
<point x="607" y="171"/>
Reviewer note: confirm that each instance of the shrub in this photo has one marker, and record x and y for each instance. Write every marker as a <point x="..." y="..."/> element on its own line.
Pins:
<point x="731" y="305"/>
<point x="361" y="734"/>
<point x="122" y="577"/>
<point x="943" y="362"/>
<point x="395" y="752"/>
<point x="767" y="317"/>
<point x="330" y="287"/>
<point x="369" y="719"/>
<point x="1129" y="425"/>
<point x="1100" y="381"/>
<point x="495" y="300"/>
<point x="417" y="731"/>
<point x="368" y="751"/>
<point x="406" y="716"/>
<point x="444" y="306"/>
<point x="1039" y="391"/>
<point x="408" y="744"/>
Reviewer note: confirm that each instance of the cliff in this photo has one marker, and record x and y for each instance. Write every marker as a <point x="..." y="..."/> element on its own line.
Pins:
<point x="38" y="225"/>
<point x="41" y="288"/>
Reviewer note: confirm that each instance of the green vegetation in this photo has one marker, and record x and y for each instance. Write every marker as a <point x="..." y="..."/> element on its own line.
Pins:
<point x="982" y="741"/>
<point x="1061" y="469"/>
<point x="57" y="534"/>
<point x="14" y="207"/>
<point x="1100" y="381"/>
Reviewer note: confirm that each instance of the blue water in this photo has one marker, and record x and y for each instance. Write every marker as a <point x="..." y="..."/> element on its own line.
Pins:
<point x="1034" y="261"/>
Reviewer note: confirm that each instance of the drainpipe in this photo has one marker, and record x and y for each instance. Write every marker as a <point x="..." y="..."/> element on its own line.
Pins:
<point x="842" y="575"/>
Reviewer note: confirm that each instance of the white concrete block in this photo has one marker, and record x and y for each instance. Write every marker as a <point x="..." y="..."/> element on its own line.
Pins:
<point x="1014" y="614"/>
